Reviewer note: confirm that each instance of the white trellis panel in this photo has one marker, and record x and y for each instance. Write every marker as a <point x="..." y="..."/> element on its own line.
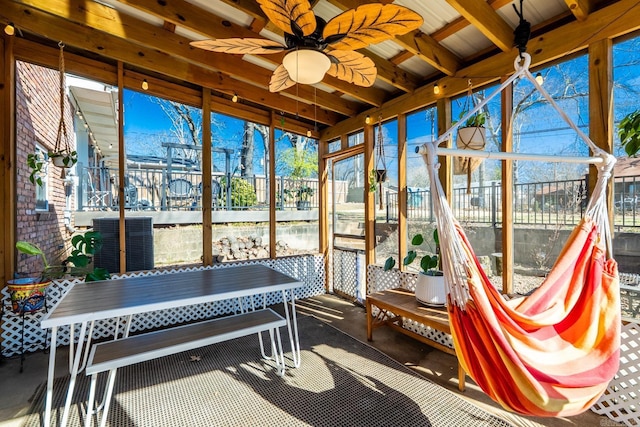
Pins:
<point x="621" y="401"/>
<point x="380" y="280"/>
<point x="309" y="269"/>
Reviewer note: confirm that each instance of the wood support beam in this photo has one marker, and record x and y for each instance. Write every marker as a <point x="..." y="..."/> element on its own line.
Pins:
<point x="445" y="173"/>
<point x="273" y="236"/>
<point x="580" y="8"/>
<point x="507" y="191"/>
<point x="323" y="209"/>
<point x="121" y="171"/>
<point x="483" y="17"/>
<point x="369" y="198"/>
<point x="458" y="24"/>
<point x="402" y="188"/>
<point x="207" y="197"/>
<point x="601" y="109"/>
<point x="7" y="159"/>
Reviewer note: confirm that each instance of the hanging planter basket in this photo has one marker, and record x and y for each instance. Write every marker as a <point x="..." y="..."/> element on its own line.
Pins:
<point x="62" y="155"/>
<point x="27" y="294"/>
<point x="381" y="175"/>
<point x="469" y="138"/>
<point x="63" y="159"/>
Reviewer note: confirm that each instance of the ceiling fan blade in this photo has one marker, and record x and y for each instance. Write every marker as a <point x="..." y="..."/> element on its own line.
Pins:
<point x="369" y="24"/>
<point x="240" y="46"/>
<point x="291" y="16"/>
<point x="280" y="79"/>
<point x="352" y="67"/>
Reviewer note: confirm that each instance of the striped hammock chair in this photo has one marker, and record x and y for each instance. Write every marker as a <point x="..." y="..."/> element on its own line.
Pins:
<point x="551" y="353"/>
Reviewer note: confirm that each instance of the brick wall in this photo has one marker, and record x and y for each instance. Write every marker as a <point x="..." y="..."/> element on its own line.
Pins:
<point x="37" y="120"/>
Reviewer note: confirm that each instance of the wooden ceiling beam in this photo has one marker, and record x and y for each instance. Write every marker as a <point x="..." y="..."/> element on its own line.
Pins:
<point x="389" y="73"/>
<point x="85" y="37"/>
<point x="482" y="16"/>
<point x="545" y="48"/>
<point x="416" y="42"/>
<point x="112" y="22"/>
<point x="580" y="8"/>
<point x="209" y="25"/>
<point x="458" y="24"/>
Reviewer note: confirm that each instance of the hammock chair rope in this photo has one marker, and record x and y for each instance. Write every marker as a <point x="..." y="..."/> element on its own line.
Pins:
<point x="554" y="352"/>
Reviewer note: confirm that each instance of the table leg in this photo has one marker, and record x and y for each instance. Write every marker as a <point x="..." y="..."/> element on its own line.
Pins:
<point x="369" y="321"/>
<point x="50" y="375"/>
<point x="74" y="372"/>
<point x="292" y="327"/>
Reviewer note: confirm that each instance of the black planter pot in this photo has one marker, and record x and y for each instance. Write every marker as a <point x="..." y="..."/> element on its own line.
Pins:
<point x="303" y="205"/>
<point x="381" y="175"/>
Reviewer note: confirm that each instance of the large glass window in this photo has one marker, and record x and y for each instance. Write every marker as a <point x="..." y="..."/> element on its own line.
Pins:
<point x="296" y="193"/>
<point x="383" y="179"/>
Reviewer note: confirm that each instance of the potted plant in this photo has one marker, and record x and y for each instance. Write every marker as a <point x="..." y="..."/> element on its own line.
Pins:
<point x="430" y="286"/>
<point x="79" y="262"/>
<point x="629" y="133"/>
<point x="302" y="195"/>
<point x="63" y="158"/>
<point x="37" y="164"/>
<point x="27" y="294"/>
<point x="472" y="134"/>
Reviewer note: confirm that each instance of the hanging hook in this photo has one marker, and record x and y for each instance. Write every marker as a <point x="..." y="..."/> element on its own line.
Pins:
<point x="522" y="32"/>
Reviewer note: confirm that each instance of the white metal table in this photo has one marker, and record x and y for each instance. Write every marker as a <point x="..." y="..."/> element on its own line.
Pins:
<point x="85" y="303"/>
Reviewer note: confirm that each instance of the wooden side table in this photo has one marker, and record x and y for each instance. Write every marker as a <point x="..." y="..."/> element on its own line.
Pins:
<point x="396" y="304"/>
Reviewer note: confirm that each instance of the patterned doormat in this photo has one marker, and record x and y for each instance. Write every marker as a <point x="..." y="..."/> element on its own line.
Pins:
<point x="341" y="382"/>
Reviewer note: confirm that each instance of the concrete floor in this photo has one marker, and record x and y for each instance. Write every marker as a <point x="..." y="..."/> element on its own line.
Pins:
<point x="16" y="389"/>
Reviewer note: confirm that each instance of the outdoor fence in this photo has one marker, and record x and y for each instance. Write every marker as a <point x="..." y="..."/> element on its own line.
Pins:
<point x="540" y="203"/>
<point x="182" y="189"/>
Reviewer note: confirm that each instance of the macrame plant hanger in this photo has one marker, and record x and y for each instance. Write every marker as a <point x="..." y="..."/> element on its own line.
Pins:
<point x="381" y="165"/>
<point x="62" y="155"/>
<point x="469" y="138"/>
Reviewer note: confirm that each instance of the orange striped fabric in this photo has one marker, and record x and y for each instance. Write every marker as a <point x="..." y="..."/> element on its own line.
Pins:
<point x="553" y="352"/>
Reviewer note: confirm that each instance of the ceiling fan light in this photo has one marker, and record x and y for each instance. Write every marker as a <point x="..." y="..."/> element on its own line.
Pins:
<point x="306" y="66"/>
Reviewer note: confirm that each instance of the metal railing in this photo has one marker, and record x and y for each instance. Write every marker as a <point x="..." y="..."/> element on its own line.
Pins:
<point x="540" y="203"/>
<point x="159" y="190"/>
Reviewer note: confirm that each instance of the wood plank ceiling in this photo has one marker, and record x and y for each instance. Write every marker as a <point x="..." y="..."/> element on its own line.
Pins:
<point x="152" y="36"/>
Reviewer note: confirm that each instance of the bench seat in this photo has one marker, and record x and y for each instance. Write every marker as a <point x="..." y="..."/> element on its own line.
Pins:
<point x="111" y="355"/>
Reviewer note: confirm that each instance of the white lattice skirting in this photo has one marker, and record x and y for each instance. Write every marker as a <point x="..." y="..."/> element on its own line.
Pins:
<point x="309" y="269"/>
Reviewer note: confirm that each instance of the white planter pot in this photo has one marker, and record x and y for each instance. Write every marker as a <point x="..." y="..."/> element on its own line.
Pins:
<point x="431" y="290"/>
<point x="472" y="138"/>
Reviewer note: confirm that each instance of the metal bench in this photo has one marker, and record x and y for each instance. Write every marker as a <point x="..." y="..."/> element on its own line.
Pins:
<point x="111" y="355"/>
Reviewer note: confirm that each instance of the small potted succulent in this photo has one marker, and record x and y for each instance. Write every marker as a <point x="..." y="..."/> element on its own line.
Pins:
<point x="430" y="286"/>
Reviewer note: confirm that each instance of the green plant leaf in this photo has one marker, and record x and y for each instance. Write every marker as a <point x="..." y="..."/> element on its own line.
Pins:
<point x="428" y="262"/>
<point x="97" y="274"/>
<point x="389" y="264"/>
<point x="411" y="255"/>
<point x="417" y="240"/>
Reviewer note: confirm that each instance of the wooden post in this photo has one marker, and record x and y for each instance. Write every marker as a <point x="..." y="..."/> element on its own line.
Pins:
<point x="402" y="188"/>
<point x="507" y="191"/>
<point x="7" y="158"/>
<point x="122" y="158"/>
<point x="323" y="211"/>
<point x="369" y="199"/>
<point x="444" y="122"/>
<point x="601" y="109"/>
<point x="272" y="185"/>
<point x="206" y="196"/>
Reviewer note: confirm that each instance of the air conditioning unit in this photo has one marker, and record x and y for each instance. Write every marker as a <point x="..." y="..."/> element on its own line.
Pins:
<point x="139" y="243"/>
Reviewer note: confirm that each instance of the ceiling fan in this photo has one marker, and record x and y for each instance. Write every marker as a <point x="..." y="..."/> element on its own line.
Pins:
<point x="308" y="39"/>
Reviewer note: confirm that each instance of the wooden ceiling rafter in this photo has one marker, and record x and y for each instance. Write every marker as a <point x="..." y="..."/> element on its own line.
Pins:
<point x="116" y="48"/>
<point x="580" y="8"/>
<point x="460" y="23"/>
<point x="482" y="16"/>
